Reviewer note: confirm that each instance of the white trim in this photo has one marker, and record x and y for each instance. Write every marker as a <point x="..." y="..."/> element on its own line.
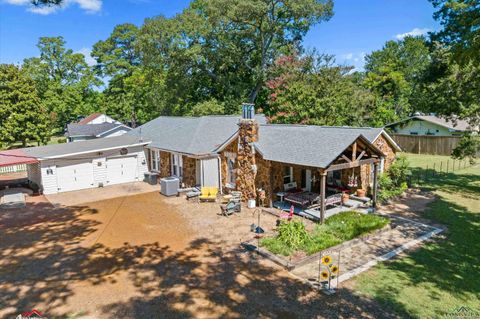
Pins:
<point x="227" y="142"/>
<point x="119" y="125"/>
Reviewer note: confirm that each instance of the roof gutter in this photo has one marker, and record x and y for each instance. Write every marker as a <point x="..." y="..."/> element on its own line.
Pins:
<point x="90" y="151"/>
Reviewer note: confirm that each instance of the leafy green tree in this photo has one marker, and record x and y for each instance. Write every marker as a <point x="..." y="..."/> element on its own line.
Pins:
<point x="211" y="107"/>
<point x="394" y="74"/>
<point x="22" y="116"/>
<point x="222" y="49"/>
<point x="461" y="27"/>
<point x="129" y="94"/>
<point x="313" y="90"/>
<point x="65" y="83"/>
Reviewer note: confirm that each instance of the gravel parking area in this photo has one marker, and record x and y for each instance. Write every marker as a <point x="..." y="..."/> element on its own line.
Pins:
<point x="149" y="256"/>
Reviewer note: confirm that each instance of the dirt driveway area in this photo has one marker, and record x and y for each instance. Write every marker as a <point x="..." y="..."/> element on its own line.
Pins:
<point x="147" y="256"/>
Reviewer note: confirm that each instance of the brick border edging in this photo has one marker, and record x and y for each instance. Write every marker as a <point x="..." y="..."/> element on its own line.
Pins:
<point x="251" y="245"/>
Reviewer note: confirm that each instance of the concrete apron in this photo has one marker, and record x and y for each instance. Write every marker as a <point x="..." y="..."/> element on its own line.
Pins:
<point x="83" y="196"/>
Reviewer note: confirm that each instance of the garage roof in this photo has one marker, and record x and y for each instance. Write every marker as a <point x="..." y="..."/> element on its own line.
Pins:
<point x="75" y="148"/>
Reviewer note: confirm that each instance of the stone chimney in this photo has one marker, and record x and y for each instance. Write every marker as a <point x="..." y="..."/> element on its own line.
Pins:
<point x="246" y="164"/>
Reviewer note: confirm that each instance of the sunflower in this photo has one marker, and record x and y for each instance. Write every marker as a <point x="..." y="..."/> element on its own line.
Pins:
<point x="334" y="269"/>
<point x="324" y="275"/>
<point x="326" y="260"/>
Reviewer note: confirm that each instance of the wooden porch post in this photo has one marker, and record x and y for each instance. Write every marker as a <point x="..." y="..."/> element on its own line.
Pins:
<point x="375" y="185"/>
<point x="323" y="179"/>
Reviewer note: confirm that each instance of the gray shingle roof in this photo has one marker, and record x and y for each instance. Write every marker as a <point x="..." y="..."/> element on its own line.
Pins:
<point x="94" y="145"/>
<point x="75" y="129"/>
<point x="308" y="145"/>
<point x="190" y="135"/>
<point x="457" y="125"/>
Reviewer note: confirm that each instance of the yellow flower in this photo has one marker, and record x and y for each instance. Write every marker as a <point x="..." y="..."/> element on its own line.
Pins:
<point x="324" y="275"/>
<point x="326" y="260"/>
<point x="334" y="269"/>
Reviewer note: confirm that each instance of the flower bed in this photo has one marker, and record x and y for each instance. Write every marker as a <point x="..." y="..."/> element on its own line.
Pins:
<point x="293" y="238"/>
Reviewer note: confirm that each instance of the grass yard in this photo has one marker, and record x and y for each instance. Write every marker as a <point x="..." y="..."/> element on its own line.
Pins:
<point x="293" y="237"/>
<point x="443" y="274"/>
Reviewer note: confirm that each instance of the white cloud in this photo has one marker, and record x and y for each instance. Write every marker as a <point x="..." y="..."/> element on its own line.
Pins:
<point x="414" y="33"/>
<point x="88" y="58"/>
<point x="89" y="6"/>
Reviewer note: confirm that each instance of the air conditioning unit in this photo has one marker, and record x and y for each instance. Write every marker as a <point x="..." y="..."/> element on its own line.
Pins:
<point x="169" y="186"/>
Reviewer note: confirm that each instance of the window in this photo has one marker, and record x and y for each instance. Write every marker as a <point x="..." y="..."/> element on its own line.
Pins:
<point x="177" y="165"/>
<point x="155" y="160"/>
<point x="231" y="177"/>
<point x="413" y="133"/>
<point x="287" y="174"/>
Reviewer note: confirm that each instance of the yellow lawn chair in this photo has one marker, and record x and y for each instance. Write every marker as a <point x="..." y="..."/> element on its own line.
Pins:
<point x="208" y="194"/>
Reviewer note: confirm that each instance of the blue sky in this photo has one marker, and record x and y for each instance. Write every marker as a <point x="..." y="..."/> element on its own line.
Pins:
<point x="357" y="28"/>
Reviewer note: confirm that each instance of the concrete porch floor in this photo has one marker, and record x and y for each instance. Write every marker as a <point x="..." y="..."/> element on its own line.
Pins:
<point x="97" y="194"/>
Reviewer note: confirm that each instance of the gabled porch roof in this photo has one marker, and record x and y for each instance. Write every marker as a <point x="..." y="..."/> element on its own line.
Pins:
<point x="313" y="146"/>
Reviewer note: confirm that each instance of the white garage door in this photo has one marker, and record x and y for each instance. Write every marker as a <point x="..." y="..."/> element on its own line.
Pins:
<point x="121" y="170"/>
<point x="74" y="174"/>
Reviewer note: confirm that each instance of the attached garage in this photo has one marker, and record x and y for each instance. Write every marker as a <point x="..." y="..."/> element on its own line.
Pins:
<point x="74" y="175"/>
<point x="122" y="169"/>
<point x="88" y="164"/>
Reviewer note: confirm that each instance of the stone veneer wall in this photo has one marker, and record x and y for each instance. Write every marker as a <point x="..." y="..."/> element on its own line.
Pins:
<point x="247" y="134"/>
<point x="382" y="144"/>
<point x="165" y="170"/>
<point x="231" y="148"/>
<point x="189" y="171"/>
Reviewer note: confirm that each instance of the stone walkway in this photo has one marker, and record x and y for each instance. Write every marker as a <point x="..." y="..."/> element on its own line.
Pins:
<point x="361" y="256"/>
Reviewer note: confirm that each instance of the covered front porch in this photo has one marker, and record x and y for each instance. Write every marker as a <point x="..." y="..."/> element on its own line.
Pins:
<point x="348" y="182"/>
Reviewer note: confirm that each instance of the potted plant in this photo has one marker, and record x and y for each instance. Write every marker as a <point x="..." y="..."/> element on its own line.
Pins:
<point x="345" y="197"/>
<point x="361" y="192"/>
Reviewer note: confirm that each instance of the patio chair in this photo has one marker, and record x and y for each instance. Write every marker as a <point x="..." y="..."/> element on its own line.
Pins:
<point x="230" y="208"/>
<point x="208" y="194"/>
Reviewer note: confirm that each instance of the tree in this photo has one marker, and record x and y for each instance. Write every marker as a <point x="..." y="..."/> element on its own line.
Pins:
<point x="46" y="2"/>
<point x="222" y="48"/>
<point x="65" y="82"/>
<point x="129" y="94"/>
<point x="394" y="74"/>
<point x="461" y="28"/>
<point x="455" y="75"/>
<point x="313" y="90"/>
<point x="211" y="107"/>
<point x="22" y="117"/>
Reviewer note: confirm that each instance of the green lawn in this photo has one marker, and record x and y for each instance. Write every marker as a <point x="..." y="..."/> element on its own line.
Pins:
<point x="443" y="274"/>
<point x="292" y="236"/>
<point x="53" y="140"/>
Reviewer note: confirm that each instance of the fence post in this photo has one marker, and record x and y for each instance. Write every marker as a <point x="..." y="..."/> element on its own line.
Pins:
<point x="434" y="171"/>
<point x="441" y="162"/>
<point x="426" y="173"/>
<point x="447" y="165"/>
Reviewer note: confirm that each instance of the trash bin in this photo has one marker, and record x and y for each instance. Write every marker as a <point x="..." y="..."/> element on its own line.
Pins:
<point x="151" y="178"/>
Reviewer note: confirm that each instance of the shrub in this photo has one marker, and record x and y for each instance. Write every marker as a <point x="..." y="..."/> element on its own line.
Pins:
<point x="394" y="181"/>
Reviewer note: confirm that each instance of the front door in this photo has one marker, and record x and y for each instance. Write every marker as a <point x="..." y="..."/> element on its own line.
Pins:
<point x="306" y="180"/>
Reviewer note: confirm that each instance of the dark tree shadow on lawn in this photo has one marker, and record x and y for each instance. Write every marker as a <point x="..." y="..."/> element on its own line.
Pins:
<point x="42" y="257"/>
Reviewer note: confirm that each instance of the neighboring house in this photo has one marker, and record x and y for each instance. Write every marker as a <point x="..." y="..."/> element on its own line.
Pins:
<point x="429" y="125"/>
<point x="81" y="132"/>
<point x="228" y="152"/>
<point x="97" y="118"/>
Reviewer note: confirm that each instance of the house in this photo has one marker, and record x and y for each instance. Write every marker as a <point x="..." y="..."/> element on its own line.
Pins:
<point x="97" y="118"/>
<point x="429" y="125"/>
<point x="81" y="132"/>
<point x="228" y="152"/>
<point x="96" y="125"/>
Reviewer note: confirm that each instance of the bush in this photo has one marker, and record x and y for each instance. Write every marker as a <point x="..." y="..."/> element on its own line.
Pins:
<point x="394" y="181"/>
